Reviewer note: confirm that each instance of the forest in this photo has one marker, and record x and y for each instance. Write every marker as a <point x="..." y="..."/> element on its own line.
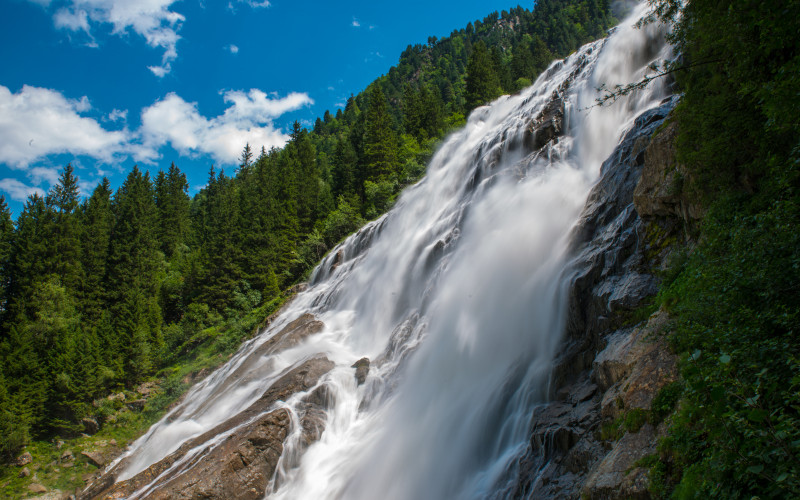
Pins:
<point x="102" y="292"/>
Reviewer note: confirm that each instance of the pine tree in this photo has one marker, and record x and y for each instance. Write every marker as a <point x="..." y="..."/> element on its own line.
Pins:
<point x="64" y="230"/>
<point x="6" y="241"/>
<point x="172" y="203"/>
<point x="482" y="83"/>
<point x="97" y="220"/>
<point x="133" y="275"/>
<point x="380" y="141"/>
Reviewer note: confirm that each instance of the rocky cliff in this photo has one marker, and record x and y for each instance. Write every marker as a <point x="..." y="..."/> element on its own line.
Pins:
<point x="588" y="441"/>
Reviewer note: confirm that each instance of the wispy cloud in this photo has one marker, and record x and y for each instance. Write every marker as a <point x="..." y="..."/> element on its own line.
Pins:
<point x="151" y="19"/>
<point x="17" y="190"/>
<point x="233" y="49"/>
<point x="355" y="23"/>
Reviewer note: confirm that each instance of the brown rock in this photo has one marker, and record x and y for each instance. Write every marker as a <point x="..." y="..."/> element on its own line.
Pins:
<point x="242" y="465"/>
<point x="25" y="472"/>
<point x="67" y="456"/>
<point x="36" y="488"/>
<point x="147" y="388"/>
<point x="362" y="370"/>
<point x="94" y="458"/>
<point x="24" y="459"/>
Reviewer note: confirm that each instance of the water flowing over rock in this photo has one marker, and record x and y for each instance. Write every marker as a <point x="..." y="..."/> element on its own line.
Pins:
<point x="475" y="308"/>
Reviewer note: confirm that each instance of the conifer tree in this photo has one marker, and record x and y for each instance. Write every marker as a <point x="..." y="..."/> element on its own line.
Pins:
<point x="133" y="274"/>
<point x="97" y="220"/>
<point x="482" y="83"/>
<point x="380" y="141"/>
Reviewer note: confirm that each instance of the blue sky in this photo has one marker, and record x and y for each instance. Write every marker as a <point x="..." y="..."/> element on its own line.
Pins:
<point x="106" y="84"/>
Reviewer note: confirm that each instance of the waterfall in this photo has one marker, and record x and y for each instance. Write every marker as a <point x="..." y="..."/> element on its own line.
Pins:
<point x="457" y="297"/>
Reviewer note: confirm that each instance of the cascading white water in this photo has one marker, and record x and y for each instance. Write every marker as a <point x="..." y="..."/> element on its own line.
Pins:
<point x="457" y="296"/>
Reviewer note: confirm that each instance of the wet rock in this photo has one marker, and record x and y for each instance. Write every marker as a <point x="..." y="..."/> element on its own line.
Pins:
<point x="25" y="472"/>
<point x="362" y="370"/>
<point x="24" y="459"/>
<point x="611" y="275"/>
<point x="241" y="465"/>
<point x="90" y="426"/>
<point x="95" y="458"/>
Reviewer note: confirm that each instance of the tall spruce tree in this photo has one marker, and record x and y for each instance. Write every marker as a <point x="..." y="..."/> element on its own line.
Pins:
<point x="380" y="140"/>
<point x="483" y="84"/>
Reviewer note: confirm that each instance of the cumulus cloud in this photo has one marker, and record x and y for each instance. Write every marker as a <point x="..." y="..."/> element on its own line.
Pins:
<point x="151" y="19"/>
<point x="248" y="119"/>
<point x="18" y="190"/>
<point x="37" y="122"/>
<point x="355" y="23"/>
<point x="233" y="49"/>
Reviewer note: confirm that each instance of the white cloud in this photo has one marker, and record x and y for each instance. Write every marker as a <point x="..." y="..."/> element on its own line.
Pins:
<point x="233" y="49"/>
<point x="151" y="19"/>
<point x="118" y="115"/>
<point x="37" y="175"/>
<point x="256" y="4"/>
<point x="247" y="120"/>
<point x="355" y="23"/>
<point x="72" y="20"/>
<point x="37" y="122"/>
<point x="17" y="190"/>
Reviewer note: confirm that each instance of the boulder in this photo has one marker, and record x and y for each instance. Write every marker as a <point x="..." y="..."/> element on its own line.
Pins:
<point x="362" y="370"/>
<point x="90" y="426"/>
<point x="616" y="477"/>
<point x="37" y="488"/>
<point x="25" y="472"/>
<point x="24" y="459"/>
<point x="67" y="456"/>
<point x="95" y="458"/>
<point x="136" y="405"/>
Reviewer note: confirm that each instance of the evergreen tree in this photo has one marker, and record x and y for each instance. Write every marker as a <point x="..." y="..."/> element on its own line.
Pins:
<point x="482" y="83"/>
<point x="64" y="230"/>
<point x="133" y="275"/>
<point x="380" y="141"/>
<point x="97" y="220"/>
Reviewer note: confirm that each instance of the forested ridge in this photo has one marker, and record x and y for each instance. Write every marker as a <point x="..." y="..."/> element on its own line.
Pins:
<point x="100" y="293"/>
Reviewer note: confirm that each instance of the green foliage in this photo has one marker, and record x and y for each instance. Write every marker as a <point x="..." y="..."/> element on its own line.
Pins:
<point x="734" y="300"/>
<point x="483" y="84"/>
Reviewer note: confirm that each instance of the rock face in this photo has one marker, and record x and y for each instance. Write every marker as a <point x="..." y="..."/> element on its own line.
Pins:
<point x="659" y="192"/>
<point x="607" y="367"/>
<point x="362" y="370"/>
<point x="243" y="462"/>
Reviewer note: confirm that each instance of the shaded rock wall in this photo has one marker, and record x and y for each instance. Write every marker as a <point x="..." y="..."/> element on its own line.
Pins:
<point x="610" y="366"/>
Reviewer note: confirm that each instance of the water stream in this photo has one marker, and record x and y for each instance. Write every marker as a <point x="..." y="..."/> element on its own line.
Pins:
<point x="457" y="296"/>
